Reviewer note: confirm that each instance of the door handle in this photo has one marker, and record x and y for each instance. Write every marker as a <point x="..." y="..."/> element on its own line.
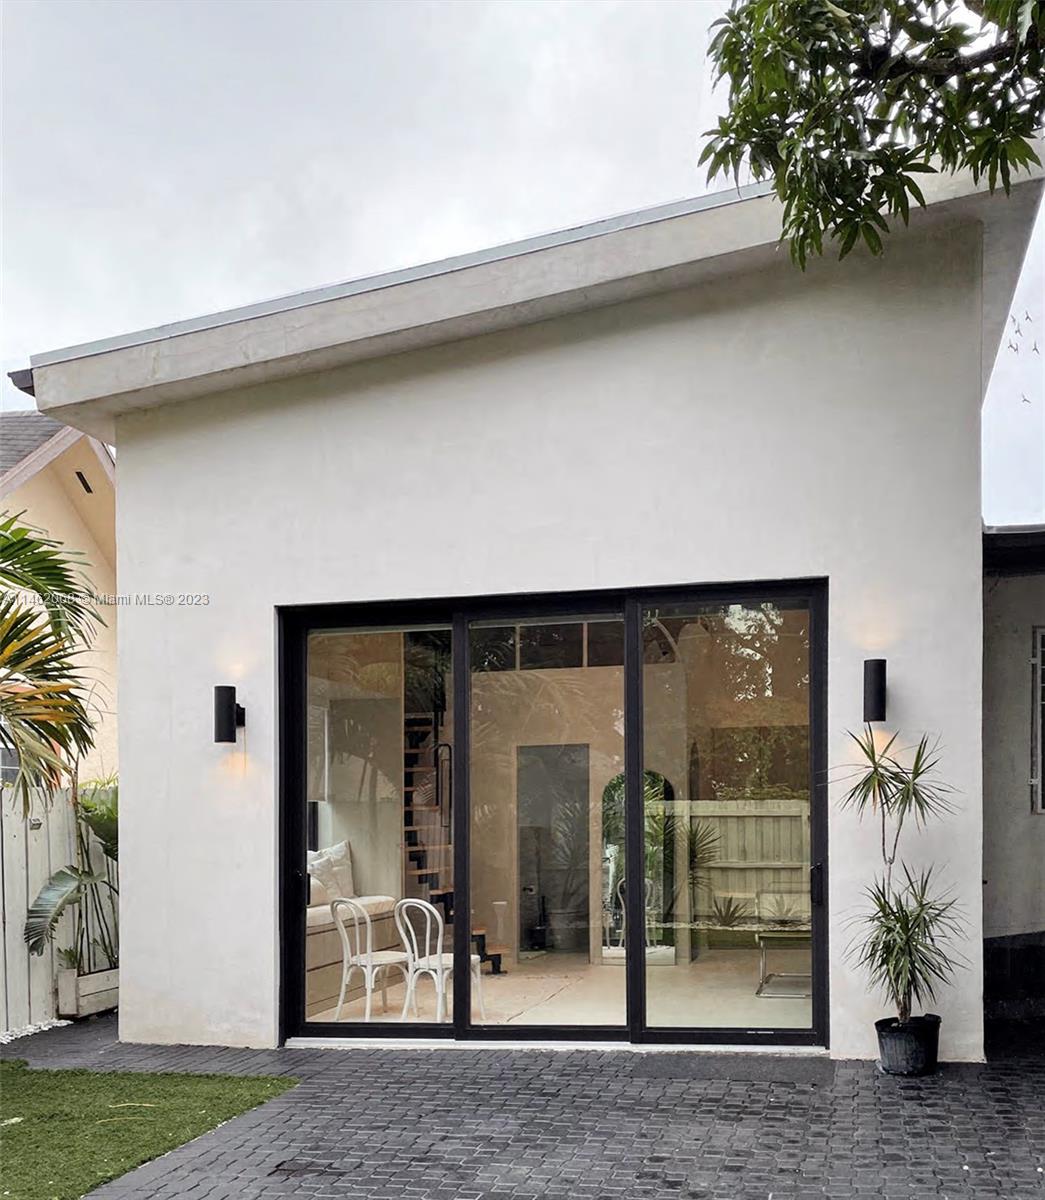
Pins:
<point x="816" y="884"/>
<point x="445" y="819"/>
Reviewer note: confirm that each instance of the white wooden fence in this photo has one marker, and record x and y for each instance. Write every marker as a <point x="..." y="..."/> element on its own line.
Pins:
<point x="31" y="849"/>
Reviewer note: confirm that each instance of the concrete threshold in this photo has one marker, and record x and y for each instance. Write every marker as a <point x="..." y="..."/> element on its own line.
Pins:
<point x="397" y="1043"/>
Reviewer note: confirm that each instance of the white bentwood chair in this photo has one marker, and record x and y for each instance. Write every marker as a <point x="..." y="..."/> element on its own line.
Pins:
<point x="358" y="954"/>
<point x="420" y="925"/>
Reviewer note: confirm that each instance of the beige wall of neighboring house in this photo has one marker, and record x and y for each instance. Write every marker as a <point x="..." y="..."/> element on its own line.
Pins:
<point x="45" y="487"/>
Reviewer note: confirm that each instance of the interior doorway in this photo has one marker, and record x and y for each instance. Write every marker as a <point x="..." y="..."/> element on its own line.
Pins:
<point x="553" y="829"/>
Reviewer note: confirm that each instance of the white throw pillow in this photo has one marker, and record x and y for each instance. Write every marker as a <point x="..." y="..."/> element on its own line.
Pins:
<point x="333" y="868"/>
<point x="317" y="893"/>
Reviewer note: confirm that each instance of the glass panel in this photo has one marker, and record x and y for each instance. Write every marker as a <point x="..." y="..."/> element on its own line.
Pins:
<point x="542" y="647"/>
<point x="494" y="649"/>
<point x="379" y="772"/>
<point x="605" y="644"/>
<point x="547" y="836"/>
<point x="726" y="815"/>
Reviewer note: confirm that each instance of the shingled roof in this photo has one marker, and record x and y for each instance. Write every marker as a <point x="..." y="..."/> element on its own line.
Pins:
<point x="21" y="432"/>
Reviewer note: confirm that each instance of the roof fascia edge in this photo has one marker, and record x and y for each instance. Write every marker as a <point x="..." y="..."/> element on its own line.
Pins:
<point x="373" y="283"/>
<point x="105" y="459"/>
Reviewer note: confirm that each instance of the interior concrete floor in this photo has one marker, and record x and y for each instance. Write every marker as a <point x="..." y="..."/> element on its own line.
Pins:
<point x="716" y="991"/>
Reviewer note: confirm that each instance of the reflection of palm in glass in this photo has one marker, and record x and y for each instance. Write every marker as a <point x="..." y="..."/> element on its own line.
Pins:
<point x="662" y="831"/>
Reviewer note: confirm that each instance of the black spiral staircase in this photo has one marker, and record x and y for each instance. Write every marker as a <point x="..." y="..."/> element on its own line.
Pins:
<point x="428" y="822"/>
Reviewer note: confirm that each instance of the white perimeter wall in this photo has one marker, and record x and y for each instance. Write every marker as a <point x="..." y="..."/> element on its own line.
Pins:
<point x="772" y="426"/>
<point x="1013" y="835"/>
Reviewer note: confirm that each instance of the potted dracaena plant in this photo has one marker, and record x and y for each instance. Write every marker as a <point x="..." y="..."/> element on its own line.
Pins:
<point x="905" y="934"/>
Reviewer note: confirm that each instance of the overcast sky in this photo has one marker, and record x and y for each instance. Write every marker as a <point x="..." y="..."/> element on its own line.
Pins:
<point x="166" y="158"/>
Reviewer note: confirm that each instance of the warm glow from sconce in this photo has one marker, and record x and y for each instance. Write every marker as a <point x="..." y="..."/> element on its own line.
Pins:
<point x="873" y="622"/>
<point x="236" y="764"/>
<point x="235" y="658"/>
<point x="880" y="736"/>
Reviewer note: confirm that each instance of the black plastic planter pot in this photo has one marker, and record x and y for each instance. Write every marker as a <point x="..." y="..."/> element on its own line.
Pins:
<point x="911" y="1048"/>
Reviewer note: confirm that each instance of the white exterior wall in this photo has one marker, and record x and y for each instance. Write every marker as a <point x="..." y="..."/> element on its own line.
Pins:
<point x="769" y="426"/>
<point x="1013" y="835"/>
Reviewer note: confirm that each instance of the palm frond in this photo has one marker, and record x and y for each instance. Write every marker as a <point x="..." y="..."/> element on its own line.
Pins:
<point x="44" y="722"/>
<point x="702" y="851"/>
<point x="32" y="562"/>
<point x="66" y="886"/>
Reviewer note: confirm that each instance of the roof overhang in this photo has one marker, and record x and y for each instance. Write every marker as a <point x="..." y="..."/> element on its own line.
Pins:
<point x="1014" y="550"/>
<point x="622" y="258"/>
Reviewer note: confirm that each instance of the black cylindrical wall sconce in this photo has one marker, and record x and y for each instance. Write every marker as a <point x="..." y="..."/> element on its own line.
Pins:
<point x="874" y="690"/>
<point x="228" y="715"/>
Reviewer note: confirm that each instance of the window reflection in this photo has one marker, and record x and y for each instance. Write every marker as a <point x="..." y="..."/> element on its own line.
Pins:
<point x="547" y="739"/>
<point x="379" y="812"/>
<point x="726" y="716"/>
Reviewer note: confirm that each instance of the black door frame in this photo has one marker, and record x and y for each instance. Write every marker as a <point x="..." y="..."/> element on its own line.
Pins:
<point x="293" y="627"/>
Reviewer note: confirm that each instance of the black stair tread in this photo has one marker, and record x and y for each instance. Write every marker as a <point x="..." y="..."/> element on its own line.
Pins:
<point x="423" y="807"/>
<point x="449" y="891"/>
<point x="420" y="767"/>
<point x="423" y="871"/>
<point x="423" y="846"/>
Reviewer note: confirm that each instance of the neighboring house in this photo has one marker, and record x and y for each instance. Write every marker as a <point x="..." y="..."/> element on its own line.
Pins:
<point x="478" y="543"/>
<point x="62" y="481"/>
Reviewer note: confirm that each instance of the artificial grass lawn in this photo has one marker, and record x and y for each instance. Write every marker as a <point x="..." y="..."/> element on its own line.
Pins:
<point x="65" y="1132"/>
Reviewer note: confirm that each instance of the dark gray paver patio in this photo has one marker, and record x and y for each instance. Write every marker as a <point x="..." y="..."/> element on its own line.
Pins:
<point x="468" y="1124"/>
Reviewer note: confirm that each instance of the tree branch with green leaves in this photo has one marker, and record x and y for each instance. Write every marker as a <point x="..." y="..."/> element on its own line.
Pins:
<point x="844" y="103"/>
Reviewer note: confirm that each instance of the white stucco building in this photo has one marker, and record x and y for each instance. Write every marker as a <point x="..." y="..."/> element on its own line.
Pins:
<point x="476" y="544"/>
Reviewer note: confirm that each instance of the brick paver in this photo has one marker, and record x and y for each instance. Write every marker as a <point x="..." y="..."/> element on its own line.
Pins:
<point x="468" y="1124"/>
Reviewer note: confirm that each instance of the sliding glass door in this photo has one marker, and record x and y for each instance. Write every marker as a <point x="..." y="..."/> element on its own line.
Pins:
<point x="726" y="814"/>
<point x="378" y="808"/>
<point x="546" y="796"/>
<point x="596" y="815"/>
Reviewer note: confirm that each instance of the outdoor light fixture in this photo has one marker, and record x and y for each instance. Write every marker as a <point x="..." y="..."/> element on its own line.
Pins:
<point x="228" y="715"/>
<point x="874" y="690"/>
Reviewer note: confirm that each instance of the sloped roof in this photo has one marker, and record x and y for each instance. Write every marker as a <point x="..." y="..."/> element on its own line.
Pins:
<point x="21" y="432"/>
<point x="687" y="243"/>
